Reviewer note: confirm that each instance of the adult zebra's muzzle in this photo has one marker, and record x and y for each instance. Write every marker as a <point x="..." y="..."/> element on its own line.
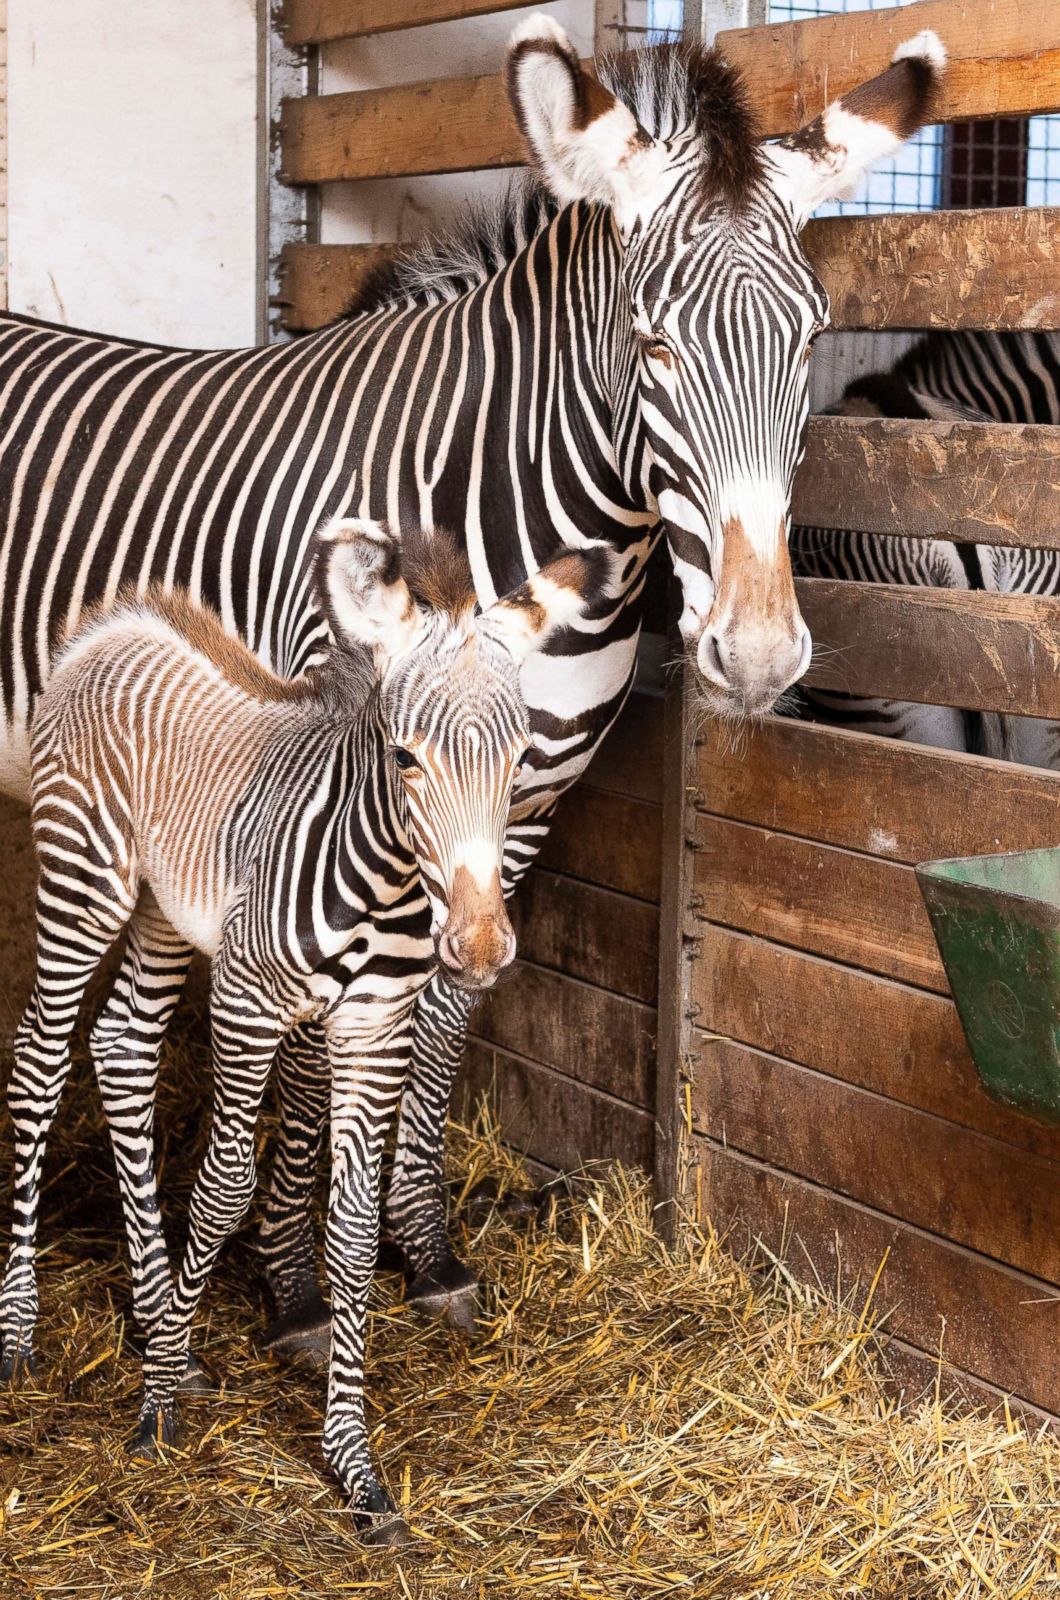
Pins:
<point x="754" y="644"/>
<point x="477" y="941"/>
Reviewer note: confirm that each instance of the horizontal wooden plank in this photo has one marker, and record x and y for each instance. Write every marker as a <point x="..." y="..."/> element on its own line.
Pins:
<point x="1004" y="58"/>
<point x="972" y="482"/>
<point x="993" y="1322"/>
<point x="586" y="1033"/>
<point x="881" y="796"/>
<point x="630" y="759"/>
<point x="607" y="839"/>
<point x="944" y="269"/>
<point x="318" y="21"/>
<point x="949" y="269"/>
<point x="318" y="282"/>
<point x="848" y="907"/>
<point x="952" y="647"/>
<point x="603" y="938"/>
<point x="550" y="1117"/>
<point x="952" y="1181"/>
<point x="443" y="125"/>
<point x="899" y="1042"/>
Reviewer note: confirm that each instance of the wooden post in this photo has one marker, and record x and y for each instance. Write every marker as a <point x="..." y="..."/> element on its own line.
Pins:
<point x="677" y="951"/>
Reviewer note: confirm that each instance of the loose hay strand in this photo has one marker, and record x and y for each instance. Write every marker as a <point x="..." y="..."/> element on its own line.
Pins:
<point x="631" y="1421"/>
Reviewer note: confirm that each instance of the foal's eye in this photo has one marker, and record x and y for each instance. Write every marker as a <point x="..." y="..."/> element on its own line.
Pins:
<point x="405" y="760"/>
<point x="523" y="759"/>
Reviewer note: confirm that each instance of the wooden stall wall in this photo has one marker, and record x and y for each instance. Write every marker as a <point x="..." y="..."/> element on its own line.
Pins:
<point x="814" y="1073"/>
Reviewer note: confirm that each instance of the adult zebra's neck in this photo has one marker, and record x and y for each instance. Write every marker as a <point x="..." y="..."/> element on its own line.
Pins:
<point x="494" y="414"/>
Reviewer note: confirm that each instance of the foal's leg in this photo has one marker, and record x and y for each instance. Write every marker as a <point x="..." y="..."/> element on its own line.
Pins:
<point x="79" y="914"/>
<point x="302" y="1326"/>
<point x="245" y="1040"/>
<point x="127" y="1045"/>
<point x="368" y="1046"/>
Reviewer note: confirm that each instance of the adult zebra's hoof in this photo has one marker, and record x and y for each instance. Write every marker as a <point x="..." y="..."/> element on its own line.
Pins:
<point x="381" y="1523"/>
<point x="17" y="1365"/>
<point x="157" y="1427"/>
<point x="449" y="1290"/>
<point x="303" y="1337"/>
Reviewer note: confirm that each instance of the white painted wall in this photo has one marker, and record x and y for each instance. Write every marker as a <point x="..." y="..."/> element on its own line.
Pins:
<point x="132" y="134"/>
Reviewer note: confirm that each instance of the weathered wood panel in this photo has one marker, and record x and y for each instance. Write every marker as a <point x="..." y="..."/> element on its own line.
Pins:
<point x="950" y="269"/>
<point x="553" y="1118"/>
<point x="991" y="1197"/>
<point x="318" y="282"/>
<point x="589" y="933"/>
<point x="848" y="907"/>
<point x="444" y="125"/>
<point x="1004" y="58"/>
<point x="999" y="1323"/>
<point x="985" y="652"/>
<point x="973" y="482"/>
<point x="903" y="1043"/>
<point x="587" y="1033"/>
<point x="318" y="21"/>
<point x="607" y="839"/>
<point x="882" y="796"/>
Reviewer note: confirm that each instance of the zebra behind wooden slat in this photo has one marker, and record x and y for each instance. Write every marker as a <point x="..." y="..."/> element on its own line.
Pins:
<point x="322" y="840"/>
<point x="947" y="377"/>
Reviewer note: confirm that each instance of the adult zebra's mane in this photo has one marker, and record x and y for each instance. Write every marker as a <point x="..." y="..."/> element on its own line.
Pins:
<point x="669" y="88"/>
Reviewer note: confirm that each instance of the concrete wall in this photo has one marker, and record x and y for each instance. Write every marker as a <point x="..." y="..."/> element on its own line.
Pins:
<point x="132" y="133"/>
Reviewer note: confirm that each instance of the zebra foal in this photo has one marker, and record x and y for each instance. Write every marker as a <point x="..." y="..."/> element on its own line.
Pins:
<point x="328" y="841"/>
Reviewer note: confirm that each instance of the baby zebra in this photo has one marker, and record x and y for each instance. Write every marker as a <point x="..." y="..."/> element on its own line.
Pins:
<point x="326" y="841"/>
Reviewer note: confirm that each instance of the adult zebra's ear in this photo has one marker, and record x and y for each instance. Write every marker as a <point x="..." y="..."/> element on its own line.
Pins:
<point x="555" y="597"/>
<point x="586" y="145"/>
<point x="357" y="575"/>
<point x="826" y="158"/>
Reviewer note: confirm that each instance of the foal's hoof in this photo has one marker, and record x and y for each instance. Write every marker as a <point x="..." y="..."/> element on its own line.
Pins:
<point x="381" y="1523"/>
<point x="303" y="1337"/>
<point x="157" y="1427"/>
<point x="17" y="1366"/>
<point x="449" y="1290"/>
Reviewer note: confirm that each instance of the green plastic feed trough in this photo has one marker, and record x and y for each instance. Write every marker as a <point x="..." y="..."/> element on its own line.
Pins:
<point x="997" y="925"/>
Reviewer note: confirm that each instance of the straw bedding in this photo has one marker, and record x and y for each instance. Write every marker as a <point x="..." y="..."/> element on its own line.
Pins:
<point x="628" y="1423"/>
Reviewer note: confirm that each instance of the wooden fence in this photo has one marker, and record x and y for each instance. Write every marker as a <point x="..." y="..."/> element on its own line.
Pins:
<point x="811" y="1087"/>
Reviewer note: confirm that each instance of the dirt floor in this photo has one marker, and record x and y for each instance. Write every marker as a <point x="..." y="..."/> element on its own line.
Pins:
<point x="627" y="1423"/>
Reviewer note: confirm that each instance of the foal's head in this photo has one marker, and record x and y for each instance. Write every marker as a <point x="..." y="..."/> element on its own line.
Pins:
<point x="452" y="711"/>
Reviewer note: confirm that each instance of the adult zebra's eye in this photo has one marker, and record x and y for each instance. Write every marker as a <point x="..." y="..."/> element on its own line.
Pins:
<point x="405" y="760"/>
<point x="659" y="350"/>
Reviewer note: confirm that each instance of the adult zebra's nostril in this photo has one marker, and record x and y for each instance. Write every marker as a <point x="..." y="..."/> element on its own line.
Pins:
<point x="449" y="951"/>
<point x="711" y="660"/>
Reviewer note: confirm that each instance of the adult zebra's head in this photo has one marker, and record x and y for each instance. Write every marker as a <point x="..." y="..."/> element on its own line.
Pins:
<point x="720" y="308"/>
<point x="451" y="707"/>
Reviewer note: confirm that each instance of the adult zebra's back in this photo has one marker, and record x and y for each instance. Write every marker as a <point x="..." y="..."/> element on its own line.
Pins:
<point x="1003" y="377"/>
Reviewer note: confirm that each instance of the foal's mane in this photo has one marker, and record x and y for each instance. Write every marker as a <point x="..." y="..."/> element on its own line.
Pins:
<point x="669" y="88"/>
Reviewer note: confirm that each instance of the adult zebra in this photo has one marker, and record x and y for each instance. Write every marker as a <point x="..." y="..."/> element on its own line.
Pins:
<point x="946" y="377"/>
<point x="618" y="353"/>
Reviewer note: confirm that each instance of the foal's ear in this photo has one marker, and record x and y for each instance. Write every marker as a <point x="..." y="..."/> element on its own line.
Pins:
<point x="826" y="158"/>
<point x="357" y="572"/>
<point x="586" y="145"/>
<point x="553" y="598"/>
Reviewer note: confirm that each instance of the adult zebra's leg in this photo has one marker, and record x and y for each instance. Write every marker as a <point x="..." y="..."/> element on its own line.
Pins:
<point x="126" y="1047"/>
<point x="74" y="931"/>
<point x="245" y="1039"/>
<point x="368" y="1049"/>
<point x="302" y="1325"/>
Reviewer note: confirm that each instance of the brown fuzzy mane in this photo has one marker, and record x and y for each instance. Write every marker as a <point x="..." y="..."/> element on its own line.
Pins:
<point x="200" y="625"/>
<point x="436" y="568"/>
